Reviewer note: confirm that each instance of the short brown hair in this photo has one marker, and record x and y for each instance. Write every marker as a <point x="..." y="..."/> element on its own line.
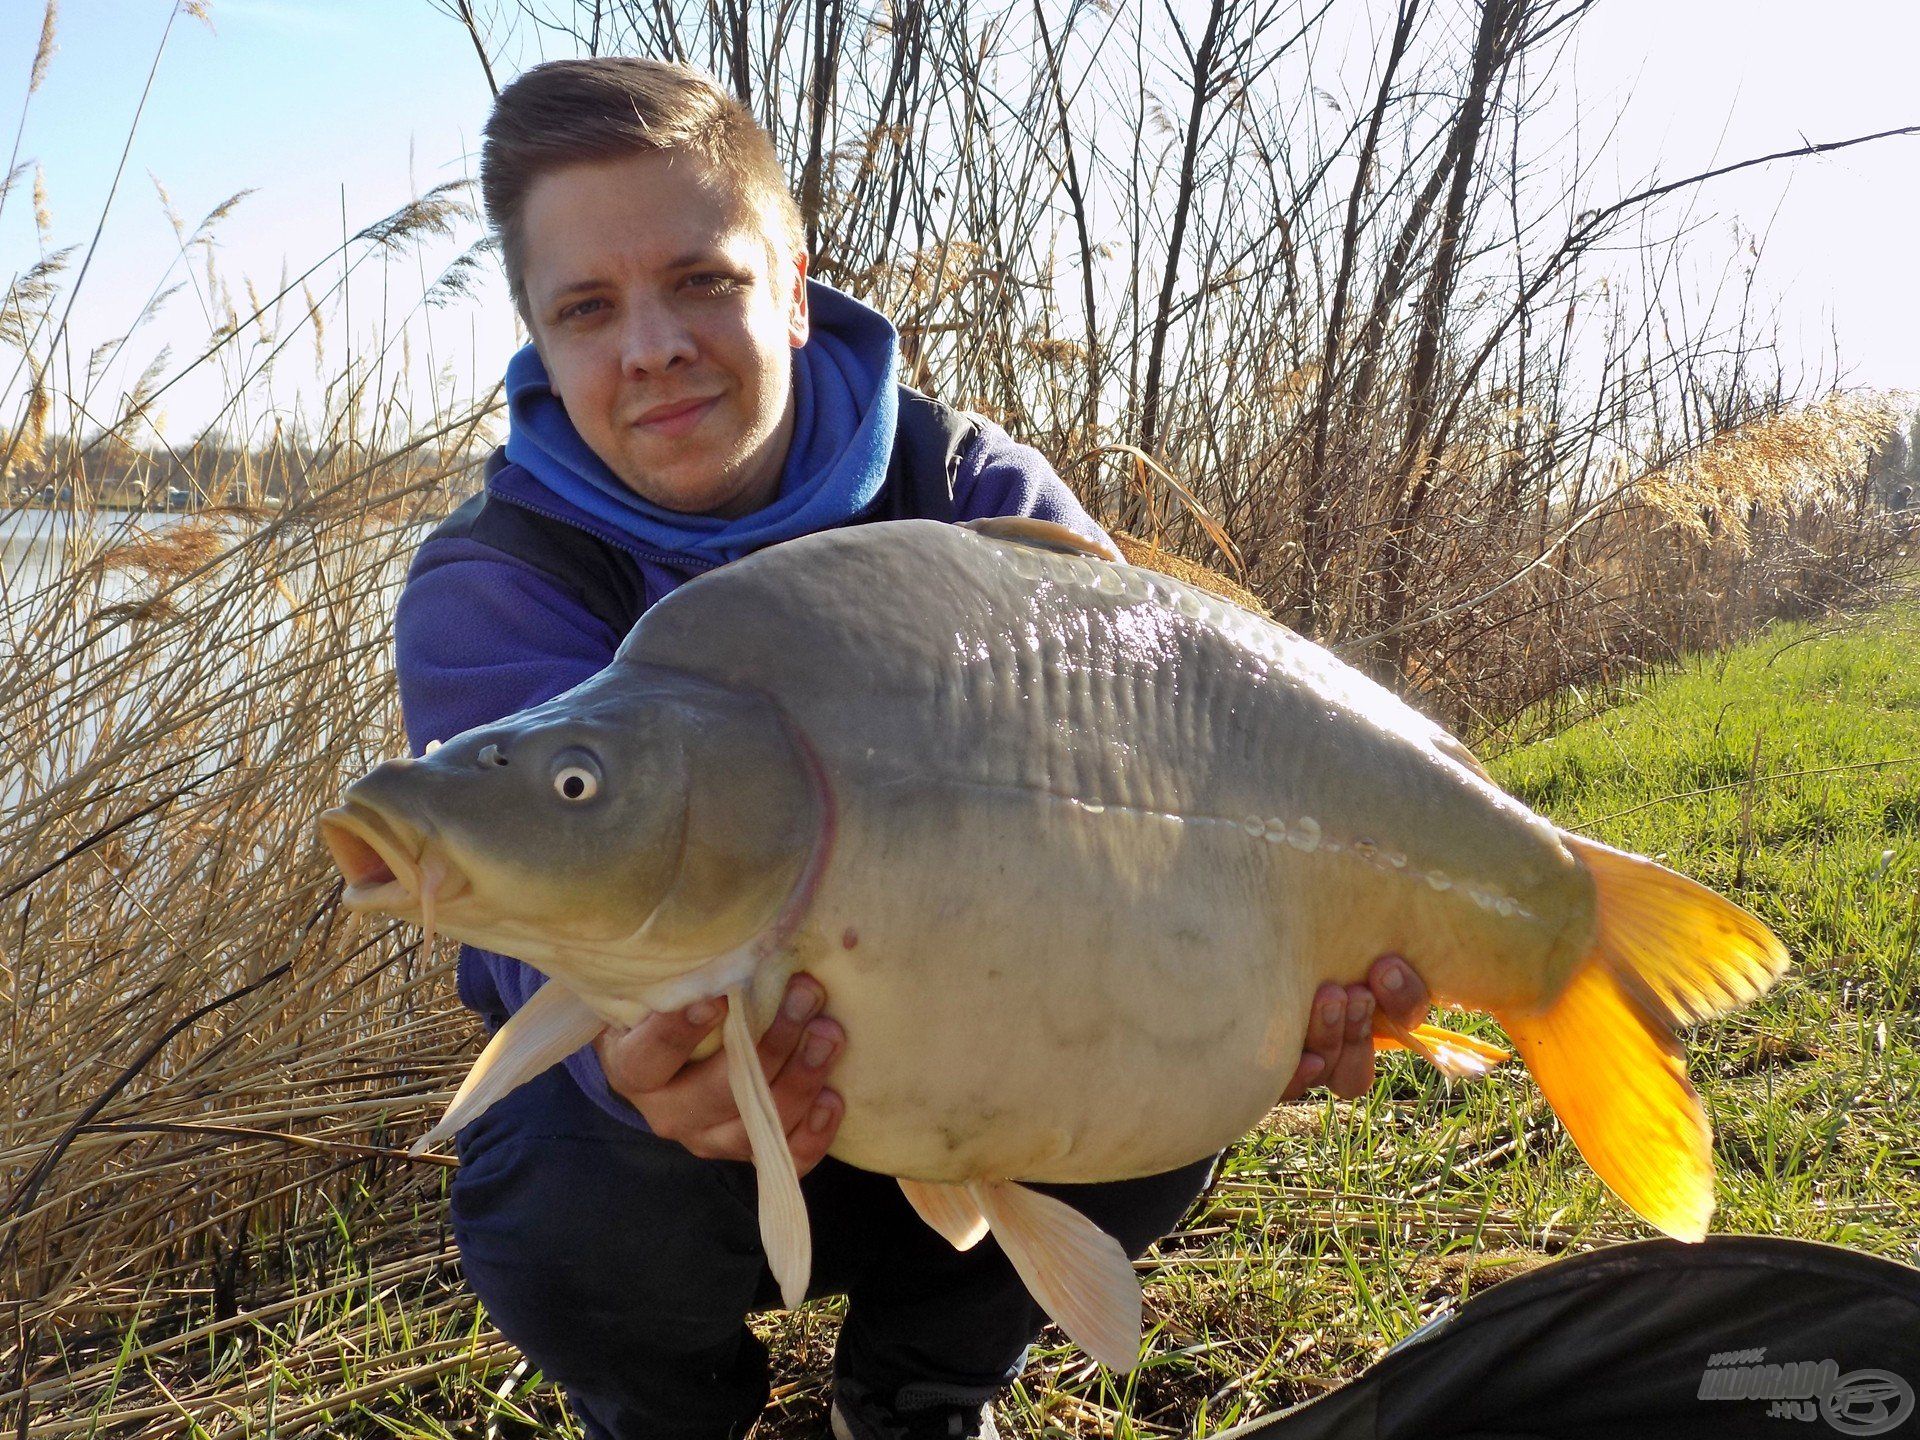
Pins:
<point x="608" y="108"/>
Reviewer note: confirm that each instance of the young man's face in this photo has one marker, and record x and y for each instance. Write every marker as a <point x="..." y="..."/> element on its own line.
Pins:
<point x="666" y="326"/>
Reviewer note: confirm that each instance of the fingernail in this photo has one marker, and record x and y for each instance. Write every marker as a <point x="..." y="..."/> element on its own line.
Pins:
<point x="819" y="1045"/>
<point x="802" y="1000"/>
<point x="821" y="1117"/>
<point x="701" y="1012"/>
<point x="1394" y="978"/>
<point x="1310" y="1067"/>
<point x="1331" y="1012"/>
<point x="1359" y="1007"/>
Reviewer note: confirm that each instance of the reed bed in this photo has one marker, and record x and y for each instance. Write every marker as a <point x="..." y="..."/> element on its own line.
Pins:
<point x="208" y="1224"/>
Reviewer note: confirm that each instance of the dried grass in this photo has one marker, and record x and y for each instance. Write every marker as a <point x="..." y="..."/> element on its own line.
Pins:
<point x="43" y="52"/>
<point x="1790" y="464"/>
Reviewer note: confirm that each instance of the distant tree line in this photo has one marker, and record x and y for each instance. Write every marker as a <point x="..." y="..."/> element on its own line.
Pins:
<point x="1895" y="471"/>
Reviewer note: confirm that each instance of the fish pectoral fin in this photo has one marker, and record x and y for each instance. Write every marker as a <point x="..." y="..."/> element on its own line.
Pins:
<point x="1457" y="1056"/>
<point x="948" y="1209"/>
<point x="784" y="1229"/>
<point x="541" y="1033"/>
<point x="1616" y="1076"/>
<point x="1076" y="1271"/>
<point x="1041" y="535"/>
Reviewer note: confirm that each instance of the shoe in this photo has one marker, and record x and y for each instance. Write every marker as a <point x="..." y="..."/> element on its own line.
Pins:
<point x="925" y="1412"/>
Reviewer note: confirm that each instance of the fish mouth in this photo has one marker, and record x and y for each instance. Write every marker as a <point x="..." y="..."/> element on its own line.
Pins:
<point x="384" y="873"/>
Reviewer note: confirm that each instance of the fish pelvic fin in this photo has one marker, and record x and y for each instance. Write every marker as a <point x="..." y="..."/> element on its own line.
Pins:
<point x="541" y="1033"/>
<point x="1607" y="1052"/>
<point x="1076" y="1271"/>
<point x="1454" y="1055"/>
<point x="784" y="1229"/>
<point x="949" y="1209"/>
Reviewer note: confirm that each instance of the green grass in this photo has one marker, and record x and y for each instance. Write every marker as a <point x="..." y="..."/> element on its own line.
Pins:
<point x="1785" y="773"/>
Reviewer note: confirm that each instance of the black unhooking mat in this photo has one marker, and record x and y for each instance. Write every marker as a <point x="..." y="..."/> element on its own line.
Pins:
<point x="1742" y="1335"/>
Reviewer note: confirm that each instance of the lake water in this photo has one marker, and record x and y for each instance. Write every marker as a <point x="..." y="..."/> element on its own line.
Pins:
<point x="33" y="541"/>
<point x="65" y="663"/>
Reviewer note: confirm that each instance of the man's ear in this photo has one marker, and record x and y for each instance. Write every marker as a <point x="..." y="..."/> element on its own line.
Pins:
<point x="799" y="319"/>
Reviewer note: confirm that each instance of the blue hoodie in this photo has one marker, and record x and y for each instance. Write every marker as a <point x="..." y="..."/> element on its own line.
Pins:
<point x="480" y="635"/>
<point x="844" y="405"/>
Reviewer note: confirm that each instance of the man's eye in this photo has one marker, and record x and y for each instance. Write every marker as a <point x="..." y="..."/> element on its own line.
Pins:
<point x="579" y="308"/>
<point x="716" y="282"/>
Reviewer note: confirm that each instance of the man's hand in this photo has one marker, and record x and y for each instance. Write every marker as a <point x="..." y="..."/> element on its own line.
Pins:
<point x="1339" y="1047"/>
<point x="689" y="1101"/>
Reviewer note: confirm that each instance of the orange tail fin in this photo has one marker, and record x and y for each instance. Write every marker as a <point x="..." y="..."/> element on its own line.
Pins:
<point x="1606" y="1052"/>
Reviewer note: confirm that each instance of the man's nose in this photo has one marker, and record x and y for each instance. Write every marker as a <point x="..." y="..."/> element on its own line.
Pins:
<point x="653" y="339"/>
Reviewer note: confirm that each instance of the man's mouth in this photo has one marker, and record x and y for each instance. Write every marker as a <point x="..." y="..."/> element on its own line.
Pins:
<point x="675" y="419"/>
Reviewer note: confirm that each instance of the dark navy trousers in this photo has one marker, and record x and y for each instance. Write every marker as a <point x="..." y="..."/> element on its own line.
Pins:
<point x="624" y="1267"/>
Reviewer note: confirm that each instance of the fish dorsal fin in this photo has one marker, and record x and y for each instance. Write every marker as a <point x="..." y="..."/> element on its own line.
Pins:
<point x="1041" y="535"/>
<point x="948" y="1209"/>
<point x="1076" y="1271"/>
<point x="540" y="1034"/>
<point x="1457" y="751"/>
<point x="784" y="1230"/>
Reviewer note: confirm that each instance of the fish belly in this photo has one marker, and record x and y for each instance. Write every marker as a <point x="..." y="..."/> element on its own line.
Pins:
<point x="1016" y="1019"/>
<point x="1049" y="991"/>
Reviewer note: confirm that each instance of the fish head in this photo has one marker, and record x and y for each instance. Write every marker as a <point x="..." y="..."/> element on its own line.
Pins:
<point x="641" y="818"/>
<point x="564" y="822"/>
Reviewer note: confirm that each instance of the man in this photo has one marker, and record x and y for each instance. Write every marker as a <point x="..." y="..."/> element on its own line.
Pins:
<point x="689" y="397"/>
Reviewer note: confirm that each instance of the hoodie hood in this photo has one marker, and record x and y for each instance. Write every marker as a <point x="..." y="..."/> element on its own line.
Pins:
<point x="845" y="409"/>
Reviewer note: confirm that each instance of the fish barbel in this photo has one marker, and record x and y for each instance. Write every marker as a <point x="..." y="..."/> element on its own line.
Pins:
<point x="1071" y="845"/>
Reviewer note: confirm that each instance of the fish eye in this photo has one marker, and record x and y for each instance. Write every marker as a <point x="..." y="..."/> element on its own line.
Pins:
<point x="576" y="782"/>
<point x="576" y="778"/>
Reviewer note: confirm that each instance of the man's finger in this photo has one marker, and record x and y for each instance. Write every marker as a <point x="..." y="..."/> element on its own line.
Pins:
<point x="654" y="1051"/>
<point x="812" y="1137"/>
<point x="1326" y="1028"/>
<point x="800" y="1004"/>
<point x="1398" y="990"/>
<point x="1352" y="1073"/>
<point x="795" y="1090"/>
<point x="798" y="1084"/>
<point x="1305" y="1076"/>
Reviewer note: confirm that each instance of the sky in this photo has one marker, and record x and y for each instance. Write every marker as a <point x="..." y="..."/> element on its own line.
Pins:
<point x="338" y="111"/>
<point x="1701" y="83"/>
